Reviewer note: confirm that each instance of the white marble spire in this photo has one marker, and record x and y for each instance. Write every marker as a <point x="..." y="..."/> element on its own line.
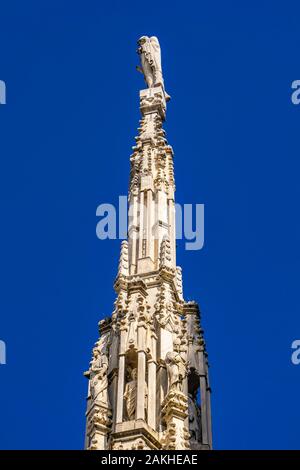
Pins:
<point x="150" y="364"/>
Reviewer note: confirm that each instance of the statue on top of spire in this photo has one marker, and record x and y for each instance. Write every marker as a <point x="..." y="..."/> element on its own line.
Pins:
<point x="150" y="55"/>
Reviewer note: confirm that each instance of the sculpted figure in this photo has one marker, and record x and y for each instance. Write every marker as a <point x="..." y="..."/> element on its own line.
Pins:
<point x="150" y="55"/>
<point x="194" y="419"/>
<point x="97" y="373"/>
<point x="98" y="376"/>
<point x="176" y="369"/>
<point x="130" y="395"/>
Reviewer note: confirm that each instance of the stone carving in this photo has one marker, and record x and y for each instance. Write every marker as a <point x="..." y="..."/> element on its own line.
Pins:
<point x="139" y="445"/>
<point x="152" y="100"/>
<point x="194" y="419"/>
<point x="179" y="282"/>
<point x="98" y="376"/>
<point x="97" y="373"/>
<point x="149" y="51"/>
<point x="165" y="253"/>
<point x="130" y="395"/>
<point x="194" y="335"/>
<point x="132" y="333"/>
<point x="123" y="262"/>
<point x="176" y="369"/>
<point x="174" y="413"/>
<point x="100" y="416"/>
<point x="151" y="354"/>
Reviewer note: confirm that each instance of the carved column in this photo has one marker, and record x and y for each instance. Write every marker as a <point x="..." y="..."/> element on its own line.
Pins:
<point x="174" y="414"/>
<point x="142" y="223"/>
<point x="133" y="233"/>
<point x="152" y="386"/>
<point x="161" y="390"/>
<point x="121" y="378"/>
<point x="141" y="378"/>
<point x="150" y="234"/>
<point x="209" y="413"/>
<point x="98" y="426"/>
<point x="205" y="404"/>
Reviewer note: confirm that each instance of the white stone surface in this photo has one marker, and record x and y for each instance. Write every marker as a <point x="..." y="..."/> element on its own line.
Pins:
<point x="150" y="361"/>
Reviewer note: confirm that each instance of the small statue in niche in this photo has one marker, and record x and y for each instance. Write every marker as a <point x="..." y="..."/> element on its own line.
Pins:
<point x="130" y="395"/>
<point x="176" y="369"/>
<point x="194" y="419"/>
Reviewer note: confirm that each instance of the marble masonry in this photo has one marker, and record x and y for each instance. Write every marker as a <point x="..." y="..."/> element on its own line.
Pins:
<point x="148" y="377"/>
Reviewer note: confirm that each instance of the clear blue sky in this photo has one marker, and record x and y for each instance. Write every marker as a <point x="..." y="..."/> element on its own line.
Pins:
<point x="66" y="136"/>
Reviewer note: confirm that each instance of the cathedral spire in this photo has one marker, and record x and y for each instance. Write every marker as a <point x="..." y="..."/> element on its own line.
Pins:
<point x="148" y="378"/>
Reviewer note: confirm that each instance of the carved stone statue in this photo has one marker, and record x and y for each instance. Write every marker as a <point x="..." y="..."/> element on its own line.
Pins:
<point x="98" y="373"/>
<point x="149" y="52"/>
<point x="176" y="369"/>
<point x="130" y="395"/>
<point x="194" y="419"/>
